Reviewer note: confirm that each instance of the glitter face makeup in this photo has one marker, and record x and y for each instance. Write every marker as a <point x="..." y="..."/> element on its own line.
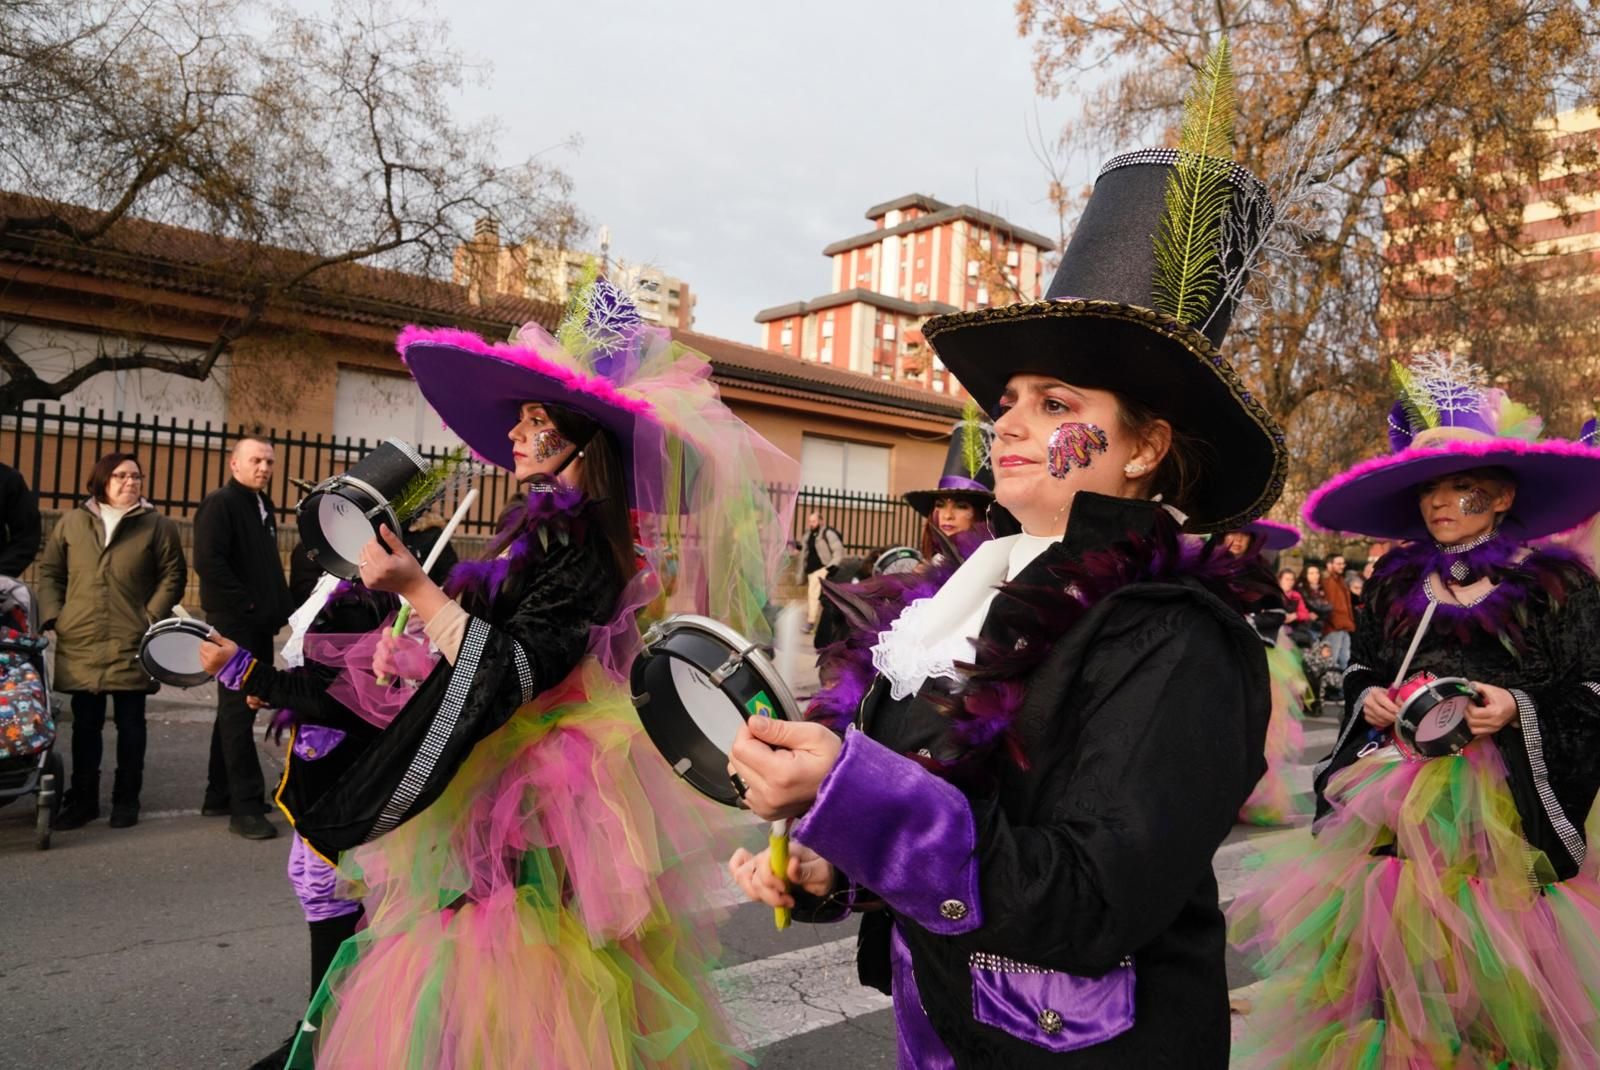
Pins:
<point x="1073" y="445"/>
<point x="1476" y="502"/>
<point x="547" y="442"/>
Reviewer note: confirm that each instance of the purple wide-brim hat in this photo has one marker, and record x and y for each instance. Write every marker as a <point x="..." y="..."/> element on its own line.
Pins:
<point x="478" y="389"/>
<point x="958" y="487"/>
<point x="1558" y="487"/>
<point x="1273" y="535"/>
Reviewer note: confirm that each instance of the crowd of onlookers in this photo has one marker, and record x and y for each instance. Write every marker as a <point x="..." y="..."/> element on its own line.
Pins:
<point x="1322" y="600"/>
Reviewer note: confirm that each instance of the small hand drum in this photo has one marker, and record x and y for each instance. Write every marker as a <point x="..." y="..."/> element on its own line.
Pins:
<point x="1433" y="719"/>
<point x="342" y="514"/>
<point x="895" y="560"/>
<point x="170" y="651"/>
<point x="694" y="685"/>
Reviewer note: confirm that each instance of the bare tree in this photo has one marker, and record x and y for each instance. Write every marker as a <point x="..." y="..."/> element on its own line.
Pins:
<point x="315" y="143"/>
<point x="1375" y="105"/>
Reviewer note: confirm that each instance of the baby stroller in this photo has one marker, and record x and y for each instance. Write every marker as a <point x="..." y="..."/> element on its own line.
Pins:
<point x="29" y="765"/>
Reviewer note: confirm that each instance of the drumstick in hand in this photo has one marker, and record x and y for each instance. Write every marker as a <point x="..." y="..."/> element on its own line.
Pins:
<point x="433" y="559"/>
<point x="778" y="845"/>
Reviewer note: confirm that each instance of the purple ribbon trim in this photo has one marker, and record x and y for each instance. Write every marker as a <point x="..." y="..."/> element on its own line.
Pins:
<point x="962" y="483"/>
<point x="920" y="1047"/>
<point x="232" y="674"/>
<point x="315" y="883"/>
<point x="900" y="831"/>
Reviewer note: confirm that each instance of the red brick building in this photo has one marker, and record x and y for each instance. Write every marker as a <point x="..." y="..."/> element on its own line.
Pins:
<point x="922" y="257"/>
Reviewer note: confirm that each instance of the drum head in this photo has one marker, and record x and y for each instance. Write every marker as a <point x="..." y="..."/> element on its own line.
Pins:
<point x="1433" y="721"/>
<point x="690" y="717"/>
<point x="335" y="526"/>
<point x="170" y="652"/>
<point x="896" y="560"/>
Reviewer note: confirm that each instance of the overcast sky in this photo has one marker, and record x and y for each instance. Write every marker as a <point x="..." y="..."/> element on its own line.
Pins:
<point x="728" y="142"/>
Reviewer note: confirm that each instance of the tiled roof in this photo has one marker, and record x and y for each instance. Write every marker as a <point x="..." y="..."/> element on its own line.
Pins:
<point x="734" y="362"/>
<point x="182" y="260"/>
<point x="849" y="297"/>
<point x="910" y="200"/>
<point x="942" y="215"/>
<point x="177" y="259"/>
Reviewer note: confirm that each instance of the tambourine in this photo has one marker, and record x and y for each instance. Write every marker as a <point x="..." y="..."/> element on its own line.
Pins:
<point x="895" y="560"/>
<point x="694" y="685"/>
<point x="170" y="651"/>
<point x="342" y="514"/>
<point x="1433" y="718"/>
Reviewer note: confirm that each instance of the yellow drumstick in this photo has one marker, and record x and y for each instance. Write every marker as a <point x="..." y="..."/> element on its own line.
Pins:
<point x="778" y="843"/>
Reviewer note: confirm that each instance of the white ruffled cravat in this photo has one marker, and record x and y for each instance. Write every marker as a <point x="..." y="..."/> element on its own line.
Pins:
<point x="932" y="635"/>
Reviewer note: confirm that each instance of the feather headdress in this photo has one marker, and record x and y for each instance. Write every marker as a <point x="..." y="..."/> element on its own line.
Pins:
<point x="1188" y="271"/>
<point x="973" y="440"/>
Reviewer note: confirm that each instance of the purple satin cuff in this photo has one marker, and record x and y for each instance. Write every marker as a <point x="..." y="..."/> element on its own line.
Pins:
<point x="1056" y="1011"/>
<point x="314" y="883"/>
<point x="962" y="483"/>
<point x="900" y="831"/>
<point x="920" y="1047"/>
<point x="313" y="741"/>
<point x="232" y="674"/>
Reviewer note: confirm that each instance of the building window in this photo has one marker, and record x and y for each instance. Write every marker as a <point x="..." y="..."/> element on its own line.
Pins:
<point x="835" y="464"/>
<point x="1013" y="258"/>
<point x="827" y="328"/>
<point x="983" y="295"/>
<point x="888" y="332"/>
<point x="825" y="354"/>
<point x="921" y="262"/>
<point x="786" y="337"/>
<point x="972" y="269"/>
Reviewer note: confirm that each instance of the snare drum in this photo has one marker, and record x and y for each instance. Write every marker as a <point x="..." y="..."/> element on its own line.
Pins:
<point x="170" y="651"/>
<point x="694" y="685"/>
<point x="342" y="514"/>
<point x="1433" y="718"/>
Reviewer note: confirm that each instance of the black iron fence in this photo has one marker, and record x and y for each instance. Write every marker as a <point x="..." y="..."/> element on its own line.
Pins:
<point x="55" y="448"/>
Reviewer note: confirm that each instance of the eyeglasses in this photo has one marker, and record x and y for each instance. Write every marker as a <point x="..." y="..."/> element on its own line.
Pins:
<point x="121" y="477"/>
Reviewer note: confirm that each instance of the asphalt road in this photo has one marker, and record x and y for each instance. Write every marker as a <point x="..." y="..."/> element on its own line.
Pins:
<point x="176" y="945"/>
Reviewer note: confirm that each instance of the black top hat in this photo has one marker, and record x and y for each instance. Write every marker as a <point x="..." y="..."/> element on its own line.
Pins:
<point x="962" y="479"/>
<point x="1098" y="327"/>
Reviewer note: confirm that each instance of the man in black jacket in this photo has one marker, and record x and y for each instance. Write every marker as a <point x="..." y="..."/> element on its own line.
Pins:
<point x="246" y="598"/>
<point x="20" y="535"/>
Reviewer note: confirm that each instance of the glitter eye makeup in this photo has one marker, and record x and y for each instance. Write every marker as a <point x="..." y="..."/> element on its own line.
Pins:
<point x="1476" y="502"/>
<point x="1073" y="445"/>
<point x="547" y="443"/>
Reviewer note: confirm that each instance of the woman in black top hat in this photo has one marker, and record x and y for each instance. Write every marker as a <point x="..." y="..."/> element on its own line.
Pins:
<point x="1028" y="799"/>
<point x="956" y="511"/>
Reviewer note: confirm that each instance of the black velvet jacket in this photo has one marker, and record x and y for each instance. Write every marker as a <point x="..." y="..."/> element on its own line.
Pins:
<point x="1142" y="730"/>
<point x="1539" y="638"/>
<point x="517" y="645"/>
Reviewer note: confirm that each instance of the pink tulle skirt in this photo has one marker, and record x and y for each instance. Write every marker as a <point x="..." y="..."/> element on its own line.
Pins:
<point x="552" y="908"/>
<point x="1273" y="801"/>
<point x="1418" y="929"/>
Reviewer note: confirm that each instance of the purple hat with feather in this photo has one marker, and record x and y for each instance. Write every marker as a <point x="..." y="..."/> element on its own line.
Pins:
<point x="1449" y="420"/>
<point x="967" y="476"/>
<point x="1274" y="535"/>
<point x="478" y="388"/>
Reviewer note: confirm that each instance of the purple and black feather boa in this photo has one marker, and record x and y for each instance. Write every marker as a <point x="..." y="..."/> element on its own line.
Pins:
<point x="560" y="512"/>
<point x="984" y="712"/>
<point x="1525" y="578"/>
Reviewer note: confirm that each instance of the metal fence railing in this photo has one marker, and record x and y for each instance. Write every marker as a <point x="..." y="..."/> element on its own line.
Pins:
<point x="866" y="522"/>
<point x="55" y="448"/>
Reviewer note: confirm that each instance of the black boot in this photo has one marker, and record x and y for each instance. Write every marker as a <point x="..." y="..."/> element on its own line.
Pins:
<point x="125" y="788"/>
<point x="81" y="804"/>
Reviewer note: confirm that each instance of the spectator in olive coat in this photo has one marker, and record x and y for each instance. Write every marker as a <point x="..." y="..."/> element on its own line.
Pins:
<point x="110" y="569"/>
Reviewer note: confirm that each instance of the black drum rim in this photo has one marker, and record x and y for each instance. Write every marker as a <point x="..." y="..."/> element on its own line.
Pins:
<point x="676" y="746"/>
<point x="1409" y="718"/>
<point x="161" y="673"/>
